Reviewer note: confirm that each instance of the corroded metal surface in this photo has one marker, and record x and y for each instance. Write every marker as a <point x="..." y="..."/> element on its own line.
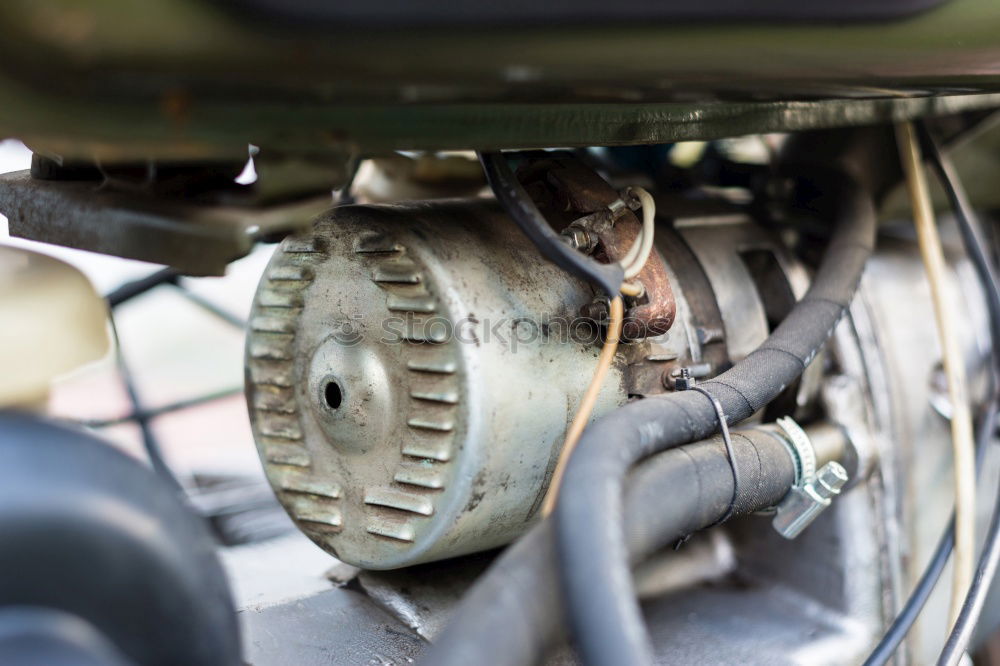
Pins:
<point x="654" y="364"/>
<point x="656" y="314"/>
<point x="572" y="192"/>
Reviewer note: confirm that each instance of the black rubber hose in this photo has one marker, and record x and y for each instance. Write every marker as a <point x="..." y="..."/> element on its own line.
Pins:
<point x="922" y="591"/>
<point x="975" y="248"/>
<point x="530" y="220"/>
<point x="604" y="613"/>
<point x="514" y="613"/>
<point x="91" y="532"/>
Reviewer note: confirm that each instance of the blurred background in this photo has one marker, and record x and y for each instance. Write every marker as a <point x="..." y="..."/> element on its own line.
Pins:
<point x="181" y="349"/>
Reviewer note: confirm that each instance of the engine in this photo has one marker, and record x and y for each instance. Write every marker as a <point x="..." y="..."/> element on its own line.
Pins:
<point x="412" y="368"/>
<point x="589" y="333"/>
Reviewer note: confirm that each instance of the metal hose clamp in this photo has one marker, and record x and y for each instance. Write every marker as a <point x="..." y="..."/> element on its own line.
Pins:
<point x="813" y="490"/>
<point x="800" y="447"/>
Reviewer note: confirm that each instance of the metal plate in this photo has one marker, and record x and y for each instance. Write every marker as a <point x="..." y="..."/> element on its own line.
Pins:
<point x="180" y="78"/>
<point x="194" y="239"/>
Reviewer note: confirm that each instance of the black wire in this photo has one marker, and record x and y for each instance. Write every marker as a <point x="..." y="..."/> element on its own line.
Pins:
<point x="730" y="452"/>
<point x="130" y="290"/>
<point x="139" y="414"/>
<point x="961" y="633"/>
<point x="968" y="226"/>
<point x="153" y="412"/>
<point x="209" y="306"/>
<point x="169" y="276"/>
<point x="149" y="442"/>
<point x="976" y="250"/>
<point x="922" y="591"/>
<point x="526" y="215"/>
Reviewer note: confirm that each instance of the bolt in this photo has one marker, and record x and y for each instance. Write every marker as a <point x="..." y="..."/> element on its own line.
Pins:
<point x="579" y="239"/>
<point x="597" y="310"/>
<point x="708" y="335"/>
<point x="830" y="478"/>
<point x="629" y="198"/>
<point x="810" y="496"/>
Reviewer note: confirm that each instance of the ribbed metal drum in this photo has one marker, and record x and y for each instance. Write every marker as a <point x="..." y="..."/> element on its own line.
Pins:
<point x="411" y="371"/>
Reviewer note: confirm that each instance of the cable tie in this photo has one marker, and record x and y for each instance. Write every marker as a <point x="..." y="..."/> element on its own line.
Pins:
<point x="730" y="451"/>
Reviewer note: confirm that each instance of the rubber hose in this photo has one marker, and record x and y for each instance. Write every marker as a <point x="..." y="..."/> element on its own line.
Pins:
<point x="514" y="613"/>
<point x="604" y="613"/>
<point x="92" y="533"/>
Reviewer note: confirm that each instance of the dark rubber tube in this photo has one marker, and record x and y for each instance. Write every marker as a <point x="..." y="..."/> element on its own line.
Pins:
<point x="92" y="534"/>
<point x="604" y="614"/>
<point x="514" y="614"/>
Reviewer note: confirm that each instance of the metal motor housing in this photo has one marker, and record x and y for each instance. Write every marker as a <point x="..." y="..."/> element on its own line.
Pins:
<point x="410" y="376"/>
<point x="412" y="368"/>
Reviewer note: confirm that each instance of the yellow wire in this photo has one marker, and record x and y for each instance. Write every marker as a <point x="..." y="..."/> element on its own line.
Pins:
<point x="582" y="416"/>
<point x="962" y="439"/>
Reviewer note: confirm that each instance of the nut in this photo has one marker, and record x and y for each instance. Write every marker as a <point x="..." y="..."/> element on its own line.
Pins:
<point x="580" y="239"/>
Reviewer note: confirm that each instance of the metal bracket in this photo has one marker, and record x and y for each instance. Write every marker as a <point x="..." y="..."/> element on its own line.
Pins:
<point x="194" y="238"/>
